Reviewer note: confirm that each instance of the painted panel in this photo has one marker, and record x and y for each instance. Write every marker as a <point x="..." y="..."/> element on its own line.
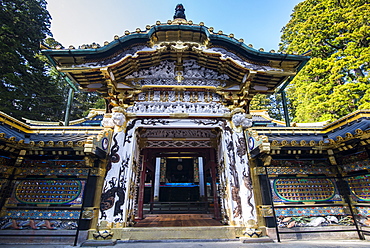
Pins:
<point x="311" y="211"/>
<point x="53" y="171"/>
<point x="363" y="211"/>
<point x="355" y="162"/>
<point x="53" y="163"/>
<point x="303" y="189"/>
<point x="42" y="214"/>
<point x="48" y="192"/>
<point x="3" y="183"/>
<point x="360" y="187"/>
<point x="6" y="161"/>
<point x="298" y="170"/>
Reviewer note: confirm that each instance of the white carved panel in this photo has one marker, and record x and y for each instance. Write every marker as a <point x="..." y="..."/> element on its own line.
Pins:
<point x="178" y="107"/>
<point x="165" y="74"/>
<point x="141" y="96"/>
<point x="201" y="97"/>
<point x="157" y="96"/>
<point x="171" y="96"/>
<point x="164" y="70"/>
<point x="237" y="60"/>
<point x="187" y="96"/>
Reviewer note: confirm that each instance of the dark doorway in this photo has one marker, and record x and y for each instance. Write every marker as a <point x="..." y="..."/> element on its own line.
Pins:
<point x="180" y="170"/>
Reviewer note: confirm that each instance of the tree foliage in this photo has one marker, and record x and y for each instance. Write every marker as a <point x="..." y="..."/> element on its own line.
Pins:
<point x="273" y="104"/>
<point x="336" y="81"/>
<point x="259" y="102"/>
<point x="30" y="86"/>
<point x="25" y="90"/>
<point x="82" y="101"/>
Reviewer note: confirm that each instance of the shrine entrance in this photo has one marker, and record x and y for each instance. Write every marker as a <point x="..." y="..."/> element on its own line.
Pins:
<point x="180" y="181"/>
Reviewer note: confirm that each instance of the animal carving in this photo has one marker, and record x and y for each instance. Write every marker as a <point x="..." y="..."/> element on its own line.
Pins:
<point x="235" y="196"/>
<point x="248" y="185"/>
<point x="108" y="198"/>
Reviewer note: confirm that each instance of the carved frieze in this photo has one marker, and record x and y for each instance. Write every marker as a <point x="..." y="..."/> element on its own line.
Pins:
<point x="174" y="96"/>
<point x="178" y="133"/>
<point x="165" y="74"/>
<point x="130" y="52"/>
<point x="236" y="59"/>
<point x="193" y="70"/>
<point x="165" y="69"/>
<point x="178" y="107"/>
<point x="178" y="143"/>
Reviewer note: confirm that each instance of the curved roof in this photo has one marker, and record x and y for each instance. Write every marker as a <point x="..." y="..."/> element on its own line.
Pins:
<point x="348" y="130"/>
<point x="108" y="69"/>
<point x="21" y="134"/>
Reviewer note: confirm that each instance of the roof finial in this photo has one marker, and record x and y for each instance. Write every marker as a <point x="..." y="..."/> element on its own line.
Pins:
<point x="179" y="12"/>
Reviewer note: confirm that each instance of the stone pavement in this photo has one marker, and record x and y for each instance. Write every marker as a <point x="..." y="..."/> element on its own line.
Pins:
<point x="219" y="244"/>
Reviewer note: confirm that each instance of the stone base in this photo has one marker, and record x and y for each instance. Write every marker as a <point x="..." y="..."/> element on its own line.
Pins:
<point x="32" y="237"/>
<point x="96" y="243"/>
<point x="257" y="240"/>
<point x="325" y="235"/>
<point x="176" y="233"/>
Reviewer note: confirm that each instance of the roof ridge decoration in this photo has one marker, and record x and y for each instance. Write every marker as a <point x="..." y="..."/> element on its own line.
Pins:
<point x="179" y="12"/>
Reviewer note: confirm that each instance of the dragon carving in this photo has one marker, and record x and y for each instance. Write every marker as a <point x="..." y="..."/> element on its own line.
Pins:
<point x="248" y="184"/>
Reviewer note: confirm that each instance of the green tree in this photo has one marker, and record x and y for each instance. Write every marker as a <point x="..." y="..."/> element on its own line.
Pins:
<point x="260" y="101"/>
<point x="25" y="87"/>
<point x="82" y="101"/>
<point x="30" y="86"/>
<point x="272" y="103"/>
<point x="336" y="81"/>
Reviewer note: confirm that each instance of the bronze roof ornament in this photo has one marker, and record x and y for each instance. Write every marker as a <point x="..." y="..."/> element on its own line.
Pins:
<point x="179" y="12"/>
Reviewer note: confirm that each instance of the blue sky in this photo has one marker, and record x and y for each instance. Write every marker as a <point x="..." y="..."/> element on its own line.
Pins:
<point x="258" y="22"/>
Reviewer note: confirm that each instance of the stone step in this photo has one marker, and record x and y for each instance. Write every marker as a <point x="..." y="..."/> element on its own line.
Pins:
<point x="179" y="233"/>
<point x="178" y="207"/>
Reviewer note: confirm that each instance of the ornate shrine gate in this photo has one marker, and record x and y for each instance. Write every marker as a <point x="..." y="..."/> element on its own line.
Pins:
<point x="174" y="139"/>
<point x="208" y="140"/>
<point x="182" y="88"/>
<point x="178" y="173"/>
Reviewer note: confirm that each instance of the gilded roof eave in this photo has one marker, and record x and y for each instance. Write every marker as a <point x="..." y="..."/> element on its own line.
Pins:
<point x="341" y="134"/>
<point x="16" y="135"/>
<point x="72" y="61"/>
<point x="148" y="36"/>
